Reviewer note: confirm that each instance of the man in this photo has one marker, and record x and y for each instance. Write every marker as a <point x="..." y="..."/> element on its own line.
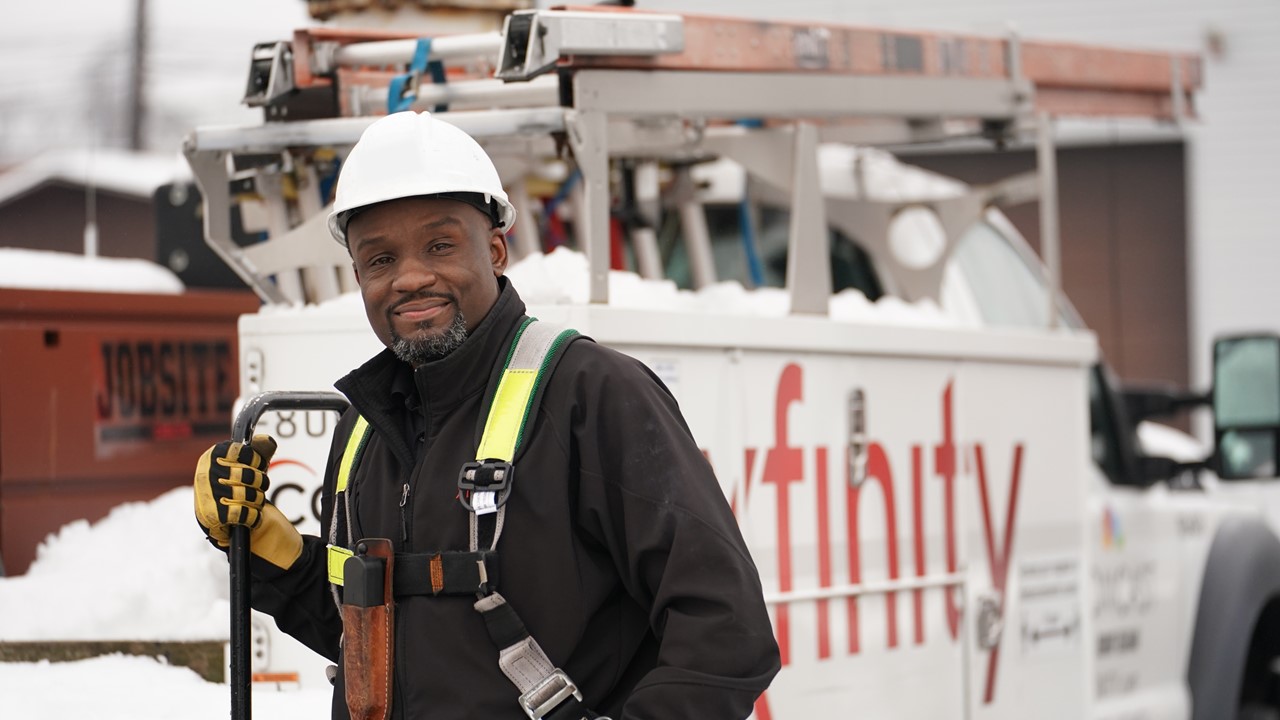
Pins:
<point x="617" y="549"/>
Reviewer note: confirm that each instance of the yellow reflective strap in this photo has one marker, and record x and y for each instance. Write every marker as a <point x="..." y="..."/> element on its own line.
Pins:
<point x="352" y="452"/>
<point x="337" y="558"/>
<point x="506" y="416"/>
<point x="337" y="555"/>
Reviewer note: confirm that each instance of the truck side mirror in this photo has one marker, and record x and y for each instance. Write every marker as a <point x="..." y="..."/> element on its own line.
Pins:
<point x="1246" y="406"/>
<point x="1147" y="401"/>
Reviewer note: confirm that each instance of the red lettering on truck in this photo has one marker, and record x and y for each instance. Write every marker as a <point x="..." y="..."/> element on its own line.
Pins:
<point x="877" y="470"/>
<point x="784" y="466"/>
<point x="998" y="562"/>
<point x="944" y="464"/>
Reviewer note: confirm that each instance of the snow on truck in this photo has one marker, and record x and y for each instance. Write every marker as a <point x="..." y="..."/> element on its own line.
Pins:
<point x="954" y="509"/>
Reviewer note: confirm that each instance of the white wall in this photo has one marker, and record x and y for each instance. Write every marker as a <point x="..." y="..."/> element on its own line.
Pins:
<point x="1234" y="151"/>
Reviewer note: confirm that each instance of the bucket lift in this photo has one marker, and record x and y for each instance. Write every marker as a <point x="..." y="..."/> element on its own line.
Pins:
<point x="653" y="89"/>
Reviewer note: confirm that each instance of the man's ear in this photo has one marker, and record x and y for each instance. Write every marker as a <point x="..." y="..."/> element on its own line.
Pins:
<point x="356" y="270"/>
<point x="498" y="251"/>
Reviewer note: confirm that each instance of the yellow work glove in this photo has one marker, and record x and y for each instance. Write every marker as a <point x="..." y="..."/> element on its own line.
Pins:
<point x="230" y="489"/>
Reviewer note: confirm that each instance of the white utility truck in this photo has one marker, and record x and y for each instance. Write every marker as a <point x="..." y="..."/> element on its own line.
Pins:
<point x="955" y="511"/>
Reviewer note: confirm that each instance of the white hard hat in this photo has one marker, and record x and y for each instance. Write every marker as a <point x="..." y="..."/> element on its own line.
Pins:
<point x="407" y="154"/>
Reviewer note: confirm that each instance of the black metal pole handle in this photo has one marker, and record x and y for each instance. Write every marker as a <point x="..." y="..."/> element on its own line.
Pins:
<point x="242" y="431"/>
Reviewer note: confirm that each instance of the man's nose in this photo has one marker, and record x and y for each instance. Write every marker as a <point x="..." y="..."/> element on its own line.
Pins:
<point x="414" y="274"/>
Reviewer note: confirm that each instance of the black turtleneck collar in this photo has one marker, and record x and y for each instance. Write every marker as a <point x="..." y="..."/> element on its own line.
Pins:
<point x="442" y="384"/>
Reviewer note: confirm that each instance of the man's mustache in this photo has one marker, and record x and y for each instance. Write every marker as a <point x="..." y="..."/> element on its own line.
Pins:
<point x="421" y="296"/>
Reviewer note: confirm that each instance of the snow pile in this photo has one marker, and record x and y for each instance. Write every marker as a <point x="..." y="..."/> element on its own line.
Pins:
<point x="43" y="270"/>
<point x="561" y="278"/>
<point x="1164" y="441"/>
<point x="118" y="687"/>
<point x="144" y="572"/>
<point x="853" y="306"/>
<point x="346" y="304"/>
<point x="879" y="175"/>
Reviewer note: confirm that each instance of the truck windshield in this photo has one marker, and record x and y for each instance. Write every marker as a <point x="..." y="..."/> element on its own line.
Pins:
<point x="1004" y="280"/>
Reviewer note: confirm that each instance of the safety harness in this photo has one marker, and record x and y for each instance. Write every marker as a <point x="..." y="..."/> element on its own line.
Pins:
<point x="484" y="486"/>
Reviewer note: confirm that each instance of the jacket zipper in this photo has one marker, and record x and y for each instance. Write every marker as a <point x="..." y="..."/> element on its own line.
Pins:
<point x="398" y="676"/>
<point x="404" y="516"/>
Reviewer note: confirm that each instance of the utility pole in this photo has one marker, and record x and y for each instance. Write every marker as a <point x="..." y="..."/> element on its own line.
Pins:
<point x="137" y="75"/>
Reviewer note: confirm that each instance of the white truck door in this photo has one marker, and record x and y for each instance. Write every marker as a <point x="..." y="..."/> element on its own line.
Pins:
<point x="939" y="574"/>
<point x="863" y="583"/>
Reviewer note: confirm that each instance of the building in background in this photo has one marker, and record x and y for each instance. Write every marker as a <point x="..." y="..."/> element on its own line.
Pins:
<point x="140" y="205"/>
<point x="46" y="202"/>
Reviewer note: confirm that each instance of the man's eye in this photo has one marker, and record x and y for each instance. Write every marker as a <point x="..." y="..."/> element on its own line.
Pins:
<point x="441" y="246"/>
<point x="379" y="260"/>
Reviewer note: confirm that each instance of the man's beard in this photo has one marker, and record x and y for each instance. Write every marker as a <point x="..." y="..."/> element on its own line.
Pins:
<point x="433" y="347"/>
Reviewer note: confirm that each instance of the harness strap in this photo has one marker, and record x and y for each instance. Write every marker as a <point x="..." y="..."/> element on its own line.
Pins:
<point x="446" y="573"/>
<point x="486" y="484"/>
<point x="338" y="552"/>
<point x="351" y="455"/>
<point x="451" y="572"/>
<point x="546" y="692"/>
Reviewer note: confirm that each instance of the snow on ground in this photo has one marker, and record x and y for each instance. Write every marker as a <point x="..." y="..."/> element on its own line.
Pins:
<point x="118" y="687"/>
<point x="144" y="572"/>
<point x="43" y="270"/>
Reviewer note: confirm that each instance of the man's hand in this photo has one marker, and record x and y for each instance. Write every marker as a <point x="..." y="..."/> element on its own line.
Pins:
<point x="230" y="489"/>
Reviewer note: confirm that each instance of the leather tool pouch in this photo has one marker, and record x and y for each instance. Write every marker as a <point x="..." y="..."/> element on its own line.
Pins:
<point x="368" y="629"/>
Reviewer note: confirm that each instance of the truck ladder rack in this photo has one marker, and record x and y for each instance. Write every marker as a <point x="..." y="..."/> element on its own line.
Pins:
<point x="1063" y="79"/>
<point x="613" y="83"/>
<point x="1067" y="79"/>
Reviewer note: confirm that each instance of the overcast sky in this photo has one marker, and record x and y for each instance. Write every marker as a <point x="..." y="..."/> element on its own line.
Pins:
<point x="66" y="68"/>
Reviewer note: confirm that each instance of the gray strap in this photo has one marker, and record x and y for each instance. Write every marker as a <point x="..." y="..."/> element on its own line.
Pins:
<point x="543" y="687"/>
<point x="344" y="499"/>
<point x="535" y="343"/>
<point x="474" y="527"/>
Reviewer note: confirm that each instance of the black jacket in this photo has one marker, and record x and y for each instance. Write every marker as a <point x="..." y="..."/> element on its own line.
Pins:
<point x="619" y="550"/>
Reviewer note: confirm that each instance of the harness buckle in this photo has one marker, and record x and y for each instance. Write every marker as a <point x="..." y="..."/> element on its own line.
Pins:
<point x="543" y="698"/>
<point x="490" y="476"/>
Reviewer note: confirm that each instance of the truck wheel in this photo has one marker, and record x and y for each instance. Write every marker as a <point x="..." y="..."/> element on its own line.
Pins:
<point x="1260" y="691"/>
<point x="1254" y="711"/>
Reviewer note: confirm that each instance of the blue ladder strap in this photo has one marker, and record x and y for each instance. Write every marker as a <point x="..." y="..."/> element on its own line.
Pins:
<point x="754" y="268"/>
<point x="436" y="68"/>
<point x="401" y="93"/>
